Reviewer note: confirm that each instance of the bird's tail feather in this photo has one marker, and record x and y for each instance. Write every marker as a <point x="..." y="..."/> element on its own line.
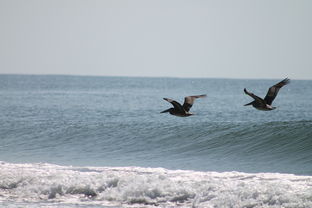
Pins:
<point x="165" y="111"/>
<point x="249" y="103"/>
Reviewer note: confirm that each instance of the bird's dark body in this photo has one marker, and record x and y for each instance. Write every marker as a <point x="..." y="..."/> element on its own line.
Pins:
<point x="174" y="112"/>
<point x="260" y="106"/>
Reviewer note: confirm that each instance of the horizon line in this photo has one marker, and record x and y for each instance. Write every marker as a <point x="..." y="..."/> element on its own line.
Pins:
<point x="136" y="76"/>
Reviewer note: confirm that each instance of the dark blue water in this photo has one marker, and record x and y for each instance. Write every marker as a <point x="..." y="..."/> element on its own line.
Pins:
<point x="115" y="121"/>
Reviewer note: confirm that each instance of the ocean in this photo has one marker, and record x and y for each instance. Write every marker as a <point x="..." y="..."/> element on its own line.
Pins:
<point x="101" y="142"/>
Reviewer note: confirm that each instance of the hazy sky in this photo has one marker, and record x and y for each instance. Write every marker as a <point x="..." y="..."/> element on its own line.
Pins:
<point x="176" y="38"/>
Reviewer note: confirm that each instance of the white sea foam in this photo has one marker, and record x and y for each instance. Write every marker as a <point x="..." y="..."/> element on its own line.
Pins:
<point x="61" y="186"/>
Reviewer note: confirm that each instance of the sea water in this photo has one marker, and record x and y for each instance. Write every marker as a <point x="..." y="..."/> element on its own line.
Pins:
<point x="78" y="141"/>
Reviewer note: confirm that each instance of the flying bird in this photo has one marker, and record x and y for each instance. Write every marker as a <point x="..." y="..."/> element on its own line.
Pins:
<point x="182" y="110"/>
<point x="266" y="103"/>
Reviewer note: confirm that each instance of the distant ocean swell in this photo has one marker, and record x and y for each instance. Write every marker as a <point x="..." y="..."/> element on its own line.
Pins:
<point x="271" y="146"/>
<point x="281" y="146"/>
<point x="149" y="187"/>
<point x="276" y="138"/>
<point x="267" y="139"/>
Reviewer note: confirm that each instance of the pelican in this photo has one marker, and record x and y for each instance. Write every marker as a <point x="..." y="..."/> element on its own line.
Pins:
<point x="182" y="110"/>
<point x="266" y="103"/>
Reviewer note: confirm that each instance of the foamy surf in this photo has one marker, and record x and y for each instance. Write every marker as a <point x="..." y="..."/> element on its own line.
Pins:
<point x="48" y="185"/>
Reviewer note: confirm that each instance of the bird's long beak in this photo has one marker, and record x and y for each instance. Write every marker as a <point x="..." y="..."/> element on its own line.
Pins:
<point x="248" y="103"/>
<point x="165" y="111"/>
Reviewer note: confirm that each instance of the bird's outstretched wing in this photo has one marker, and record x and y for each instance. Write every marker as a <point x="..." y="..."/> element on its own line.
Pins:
<point x="272" y="92"/>
<point x="258" y="99"/>
<point x="175" y="104"/>
<point x="189" y="100"/>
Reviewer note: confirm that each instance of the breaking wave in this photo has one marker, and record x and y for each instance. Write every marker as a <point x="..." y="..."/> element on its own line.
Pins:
<point x="150" y="187"/>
